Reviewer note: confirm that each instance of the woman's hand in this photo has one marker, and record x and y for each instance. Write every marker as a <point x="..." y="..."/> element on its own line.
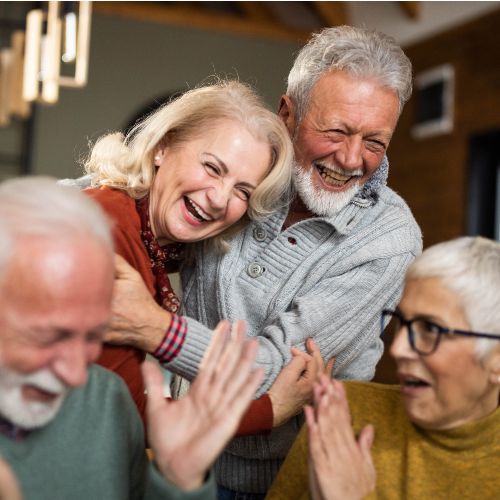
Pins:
<point x="340" y="466"/>
<point x="9" y="487"/>
<point x="137" y="320"/>
<point x="187" y="435"/>
<point x="293" y="388"/>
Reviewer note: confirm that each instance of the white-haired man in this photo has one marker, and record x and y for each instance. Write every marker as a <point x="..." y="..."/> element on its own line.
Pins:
<point x="327" y="265"/>
<point x="69" y="429"/>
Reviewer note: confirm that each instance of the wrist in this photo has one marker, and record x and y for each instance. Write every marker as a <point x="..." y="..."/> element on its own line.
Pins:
<point x="158" y="325"/>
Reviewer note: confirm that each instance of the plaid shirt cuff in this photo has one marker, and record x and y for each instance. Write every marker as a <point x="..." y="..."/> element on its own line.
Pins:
<point x="171" y="344"/>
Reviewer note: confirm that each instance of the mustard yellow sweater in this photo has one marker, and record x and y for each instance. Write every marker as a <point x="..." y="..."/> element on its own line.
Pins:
<point x="412" y="463"/>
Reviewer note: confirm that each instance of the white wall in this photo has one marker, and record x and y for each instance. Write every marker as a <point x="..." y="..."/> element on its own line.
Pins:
<point x="435" y="17"/>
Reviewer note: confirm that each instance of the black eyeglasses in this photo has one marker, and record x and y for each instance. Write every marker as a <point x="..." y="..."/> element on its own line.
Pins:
<point x="424" y="335"/>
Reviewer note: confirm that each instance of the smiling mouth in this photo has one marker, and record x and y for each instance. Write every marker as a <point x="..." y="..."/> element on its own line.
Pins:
<point x="196" y="212"/>
<point x="333" y="178"/>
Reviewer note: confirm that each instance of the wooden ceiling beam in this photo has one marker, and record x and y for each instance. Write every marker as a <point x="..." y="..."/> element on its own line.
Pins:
<point x="412" y="9"/>
<point x="332" y="13"/>
<point x="191" y="17"/>
<point x="257" y="11"/>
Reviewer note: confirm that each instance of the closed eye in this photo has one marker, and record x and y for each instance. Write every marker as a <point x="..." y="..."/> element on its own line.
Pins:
<point x="212" y="168"/>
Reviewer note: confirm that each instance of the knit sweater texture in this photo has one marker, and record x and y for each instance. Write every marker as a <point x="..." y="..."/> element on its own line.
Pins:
<point x="93" y="449"/>
<point x="326" y="278"/>
<point x="411" y="462"/>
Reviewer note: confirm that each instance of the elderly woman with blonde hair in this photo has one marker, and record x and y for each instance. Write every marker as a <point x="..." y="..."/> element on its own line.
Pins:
<point x="199" y="168"/>
<point x="437" y="435"/>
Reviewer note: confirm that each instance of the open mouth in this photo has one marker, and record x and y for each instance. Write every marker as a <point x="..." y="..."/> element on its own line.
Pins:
<point x="413" y="382"/>
<point x="195" y="211"/>
<point x="333" y="178"/>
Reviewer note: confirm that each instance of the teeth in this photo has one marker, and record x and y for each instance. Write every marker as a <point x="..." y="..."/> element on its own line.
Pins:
<point x="199" y="211"/>
<point x="332" y="178"/>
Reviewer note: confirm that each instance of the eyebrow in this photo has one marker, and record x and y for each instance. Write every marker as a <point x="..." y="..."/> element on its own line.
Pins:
<point x="222" y="164"/>
<point x="226" y="170"/>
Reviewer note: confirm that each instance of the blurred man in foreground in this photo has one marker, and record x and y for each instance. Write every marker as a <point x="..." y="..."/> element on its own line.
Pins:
<point x="69" y="429"/>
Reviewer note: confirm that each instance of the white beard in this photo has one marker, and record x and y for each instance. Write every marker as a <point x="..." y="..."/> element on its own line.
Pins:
<point x="320" y="201"/>
<point x="29" y="414"/>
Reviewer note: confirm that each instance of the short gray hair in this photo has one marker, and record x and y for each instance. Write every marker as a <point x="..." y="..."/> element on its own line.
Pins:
<point x="362" y="53"/>
<point x="470" y="268"/>
<point x="38" y="206"/>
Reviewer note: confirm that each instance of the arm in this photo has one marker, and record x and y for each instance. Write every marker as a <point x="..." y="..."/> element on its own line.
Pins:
<point x="186" y="436"/>
<point x="340" y="465"/>
<point x="337" y="305"/>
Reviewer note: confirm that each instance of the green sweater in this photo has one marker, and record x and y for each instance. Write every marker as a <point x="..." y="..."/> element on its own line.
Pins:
<point x="412" y="463"/>
<point x="93" y="449"/>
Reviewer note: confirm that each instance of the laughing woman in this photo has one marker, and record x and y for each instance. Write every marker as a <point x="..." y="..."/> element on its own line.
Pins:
<point x="437" y="435"/>
<point x="199" y="168"/>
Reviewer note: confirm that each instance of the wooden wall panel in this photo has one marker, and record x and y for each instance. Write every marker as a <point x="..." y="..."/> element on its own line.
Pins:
<point x="431" y="174"/>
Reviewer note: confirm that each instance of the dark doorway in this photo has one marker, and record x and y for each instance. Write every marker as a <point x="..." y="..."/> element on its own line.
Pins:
<point x="483" y="199"/>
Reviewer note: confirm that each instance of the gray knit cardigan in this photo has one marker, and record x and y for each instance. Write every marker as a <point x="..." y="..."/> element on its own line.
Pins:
<point x="326" y="278"/>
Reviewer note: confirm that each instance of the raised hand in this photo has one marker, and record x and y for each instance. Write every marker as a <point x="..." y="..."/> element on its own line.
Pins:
<point x="340" y="466"/>
<point x="137" y="320"/>
<point x="187" y="435"/>
<point x="293" y="388"/>
<point x="9" y="487"/>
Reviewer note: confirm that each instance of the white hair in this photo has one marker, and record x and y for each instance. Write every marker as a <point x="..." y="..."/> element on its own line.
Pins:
<point x="470" y="268"/>
<point x="362" y="53"/>
<point x="38" y="206"/>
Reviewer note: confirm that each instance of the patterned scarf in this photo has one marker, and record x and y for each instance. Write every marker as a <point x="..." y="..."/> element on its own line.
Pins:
<point x="159" y="257"/>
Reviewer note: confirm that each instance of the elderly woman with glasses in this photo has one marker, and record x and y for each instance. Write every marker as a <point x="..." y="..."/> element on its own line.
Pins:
<point x="437" y="435"/>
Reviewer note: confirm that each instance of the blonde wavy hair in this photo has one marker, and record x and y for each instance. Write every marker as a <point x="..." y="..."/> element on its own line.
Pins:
<point x="126" y="162"/>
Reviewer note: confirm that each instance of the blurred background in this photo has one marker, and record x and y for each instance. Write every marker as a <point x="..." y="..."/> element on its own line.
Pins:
<point x="444" y="156"/>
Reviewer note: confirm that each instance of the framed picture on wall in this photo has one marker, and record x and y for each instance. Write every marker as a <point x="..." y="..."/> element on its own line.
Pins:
<point x="434" y="102"/>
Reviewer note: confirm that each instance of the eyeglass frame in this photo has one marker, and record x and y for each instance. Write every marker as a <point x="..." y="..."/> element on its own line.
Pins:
<point x="441" y="331"/>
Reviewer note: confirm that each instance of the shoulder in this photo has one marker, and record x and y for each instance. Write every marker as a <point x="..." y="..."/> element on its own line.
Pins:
<point x="372" y="403"/>
<point x="117" y="204"/>
<point x="392" y="225"/>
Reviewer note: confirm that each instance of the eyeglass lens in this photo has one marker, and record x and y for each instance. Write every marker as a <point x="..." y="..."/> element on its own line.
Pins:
<point x="425" y="334"/>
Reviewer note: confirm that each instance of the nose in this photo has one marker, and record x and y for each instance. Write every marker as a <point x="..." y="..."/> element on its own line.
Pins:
<point x="71" y="362"/>
<point x="218" y="196"/>
<point x="401" y="347"/>
<point x="350" y="154"/>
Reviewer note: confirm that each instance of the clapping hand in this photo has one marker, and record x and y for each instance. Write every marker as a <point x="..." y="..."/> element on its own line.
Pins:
<point x="340" y="466"/>
<point x="187" y="435"/>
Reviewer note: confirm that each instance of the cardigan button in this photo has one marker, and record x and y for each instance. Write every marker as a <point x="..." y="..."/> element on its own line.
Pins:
<point x="255" y="269"/>
<point x="259" y="233"/>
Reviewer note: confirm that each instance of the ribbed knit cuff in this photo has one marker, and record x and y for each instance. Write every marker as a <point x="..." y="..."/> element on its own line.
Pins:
<point x="196" y="342"/>
<point x="246" y="475"/>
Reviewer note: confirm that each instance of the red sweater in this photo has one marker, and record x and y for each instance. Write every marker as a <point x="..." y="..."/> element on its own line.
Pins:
<point x="126" y="361"/>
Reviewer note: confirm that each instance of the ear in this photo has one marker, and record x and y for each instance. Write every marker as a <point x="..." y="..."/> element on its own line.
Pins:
<point x="160" y="151"/>
<point x="286" y="114"/>
<point x="493" y="363"/>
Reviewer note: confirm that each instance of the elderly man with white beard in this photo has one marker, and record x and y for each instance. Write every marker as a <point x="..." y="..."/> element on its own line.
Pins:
<point x="69" y="429"/>
<point x="324" y="266"/>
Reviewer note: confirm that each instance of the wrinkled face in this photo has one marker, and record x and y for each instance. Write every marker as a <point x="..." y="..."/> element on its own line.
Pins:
<point x="203" y="186"/>
<point x="55" y="301"/>
<point x="342" y="139"/>
<point x="451" y="387"/>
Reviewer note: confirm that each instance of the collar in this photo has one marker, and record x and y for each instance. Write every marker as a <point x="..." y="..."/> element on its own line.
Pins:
<point x="12" y="431"/>
<point x="351" y="215"/>
<point x="472" y="436"/>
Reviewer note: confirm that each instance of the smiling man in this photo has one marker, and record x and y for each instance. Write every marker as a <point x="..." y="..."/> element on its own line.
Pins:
<point x="327" y="265"/>
<point x="69" y="429"/>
